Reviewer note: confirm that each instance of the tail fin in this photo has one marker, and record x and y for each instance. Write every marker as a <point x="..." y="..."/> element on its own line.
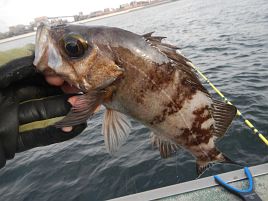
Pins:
<point x="202" y="166"/>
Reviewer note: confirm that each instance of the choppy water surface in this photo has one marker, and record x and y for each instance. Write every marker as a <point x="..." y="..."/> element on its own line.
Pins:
<point x="228" y="41"/>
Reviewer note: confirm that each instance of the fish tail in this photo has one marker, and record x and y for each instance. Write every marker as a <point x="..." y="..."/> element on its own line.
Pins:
<point x="228" y="160"/>
<point x="203" y="165"/>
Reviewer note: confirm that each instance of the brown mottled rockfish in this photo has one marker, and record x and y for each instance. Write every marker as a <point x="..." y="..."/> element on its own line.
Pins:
<point x="137" y="76"/>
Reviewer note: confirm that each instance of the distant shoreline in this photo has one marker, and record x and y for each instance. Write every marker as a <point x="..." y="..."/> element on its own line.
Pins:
<point x="87" y="20"/>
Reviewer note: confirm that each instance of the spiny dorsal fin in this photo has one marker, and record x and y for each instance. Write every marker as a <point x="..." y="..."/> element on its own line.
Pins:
<point x="155" y="38"/>
<point x="148" y="34"/>
<point x="223" y="115"/>
<point x="180" y="61"/>
<point x="165" y="146"/>
<point x="116" y="128"/>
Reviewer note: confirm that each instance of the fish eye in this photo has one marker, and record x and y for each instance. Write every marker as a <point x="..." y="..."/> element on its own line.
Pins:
<point x="74" y="46"/>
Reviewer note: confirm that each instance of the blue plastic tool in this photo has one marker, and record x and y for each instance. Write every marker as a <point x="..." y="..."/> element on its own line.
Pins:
<point x="248" y="194"/>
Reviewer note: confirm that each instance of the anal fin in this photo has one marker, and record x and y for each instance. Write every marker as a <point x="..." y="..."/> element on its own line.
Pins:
<point x="165" y="146"/>
<point x="116" y="128"/>
<point x="223" y="115"/>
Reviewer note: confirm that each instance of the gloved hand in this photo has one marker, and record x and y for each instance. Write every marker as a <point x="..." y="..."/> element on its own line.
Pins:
<point x="28" y="109"/>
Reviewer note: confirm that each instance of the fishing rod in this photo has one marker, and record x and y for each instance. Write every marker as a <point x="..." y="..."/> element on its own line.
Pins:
<point x="246" y="121"/>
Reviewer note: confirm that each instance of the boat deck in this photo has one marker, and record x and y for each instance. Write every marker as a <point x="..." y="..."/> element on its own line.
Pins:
<point x="207" y="189"/>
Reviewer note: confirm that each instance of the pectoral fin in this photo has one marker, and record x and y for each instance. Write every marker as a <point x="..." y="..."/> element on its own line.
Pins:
<point x="116" y="128"/>
<point x="83" y="108"/>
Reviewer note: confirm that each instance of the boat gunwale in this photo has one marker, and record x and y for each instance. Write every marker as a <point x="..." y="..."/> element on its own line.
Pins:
<point x="194" y="185"/>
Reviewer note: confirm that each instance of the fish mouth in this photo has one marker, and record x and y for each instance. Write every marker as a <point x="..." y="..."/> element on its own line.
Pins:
<point x="58" y="81"/>
<point x="66" y="87"/>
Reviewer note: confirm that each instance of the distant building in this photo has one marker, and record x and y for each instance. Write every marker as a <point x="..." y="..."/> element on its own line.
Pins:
<point x="58" y="21"/>
<point x="133" y="4"/>
<point x="41" y="19"/>
<point x="143" y="3"/>
<point x="22" y="29"/>
<point x="3" y="35"/>
<point x="16" y="30"/>
<point x="80" y="16"/>
<point x="124" y="6"/>
<point x="96" y="13"/>
<point x="107" y="10"/>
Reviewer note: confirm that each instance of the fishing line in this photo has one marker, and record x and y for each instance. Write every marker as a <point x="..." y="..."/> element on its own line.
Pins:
<point x="239" y="114"/>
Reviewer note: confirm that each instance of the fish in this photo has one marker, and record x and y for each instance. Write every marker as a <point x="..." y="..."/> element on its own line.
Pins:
<point x="135" y="76"/>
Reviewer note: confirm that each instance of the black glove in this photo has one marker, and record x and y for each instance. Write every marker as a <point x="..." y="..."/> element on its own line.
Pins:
<point x="28" y="109"/>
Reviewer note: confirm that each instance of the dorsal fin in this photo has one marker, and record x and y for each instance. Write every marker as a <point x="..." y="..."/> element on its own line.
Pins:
<point x="148" y="34"/>
<point x="223" y="115"/>
<point x="155" y="38"/>
<point x="180" y="61"/>
<point x="170" y="50"/>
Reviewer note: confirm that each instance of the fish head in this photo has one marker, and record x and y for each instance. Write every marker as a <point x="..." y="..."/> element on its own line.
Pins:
<point x="69" y="51"/>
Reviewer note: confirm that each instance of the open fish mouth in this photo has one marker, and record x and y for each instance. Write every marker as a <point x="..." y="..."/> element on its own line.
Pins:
<point x="67" y="88"/>
<point x="56" y="80"/>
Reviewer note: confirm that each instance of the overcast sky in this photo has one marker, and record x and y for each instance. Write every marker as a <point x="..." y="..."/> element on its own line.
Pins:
<point x="14" y="12"/>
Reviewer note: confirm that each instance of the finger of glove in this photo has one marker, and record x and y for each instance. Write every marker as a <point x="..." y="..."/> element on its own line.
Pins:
<point x="2" y="157"/>
<point x="16" y="70"/>
<point x="46" y="136"/>
<point x="43" y="109"/>
<point x="35" y="92"/>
